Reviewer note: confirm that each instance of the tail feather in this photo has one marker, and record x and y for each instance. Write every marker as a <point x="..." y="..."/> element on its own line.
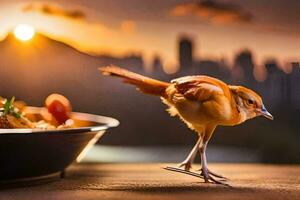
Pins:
<point x="144" y="84"/>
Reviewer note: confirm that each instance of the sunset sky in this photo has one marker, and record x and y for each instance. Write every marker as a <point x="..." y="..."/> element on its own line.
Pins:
<point x="220" y="29"/>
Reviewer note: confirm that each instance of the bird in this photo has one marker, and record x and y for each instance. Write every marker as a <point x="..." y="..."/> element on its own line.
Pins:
<point x="202" y="103"/>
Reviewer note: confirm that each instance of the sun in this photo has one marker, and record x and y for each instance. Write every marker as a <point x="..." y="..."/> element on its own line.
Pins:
<point x="24" y="32"/>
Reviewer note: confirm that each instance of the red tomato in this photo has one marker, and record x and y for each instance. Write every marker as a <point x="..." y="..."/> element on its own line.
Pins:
<point x="59" y="106"/>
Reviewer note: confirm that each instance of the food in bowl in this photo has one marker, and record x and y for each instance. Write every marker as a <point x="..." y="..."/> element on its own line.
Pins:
<point x="55" y="115"/>
<point x="40" y="142"/>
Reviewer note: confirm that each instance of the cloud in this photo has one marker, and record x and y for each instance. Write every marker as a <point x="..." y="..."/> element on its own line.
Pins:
<point x="213" y="11"/>
<point x="50" y="9"/>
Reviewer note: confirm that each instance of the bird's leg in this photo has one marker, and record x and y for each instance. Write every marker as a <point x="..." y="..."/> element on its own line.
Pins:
<point x="205" y="172"/>
<point x="204" y="169"/>
<point x="187" y="163"/>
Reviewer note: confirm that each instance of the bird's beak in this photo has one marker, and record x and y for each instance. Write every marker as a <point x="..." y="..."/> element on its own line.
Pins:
<point x="266" y="113"/>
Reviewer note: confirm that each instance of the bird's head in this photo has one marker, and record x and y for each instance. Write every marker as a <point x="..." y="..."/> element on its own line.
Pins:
<point x="249" y="103"/>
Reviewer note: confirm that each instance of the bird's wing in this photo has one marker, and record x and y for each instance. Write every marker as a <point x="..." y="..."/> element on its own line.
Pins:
<point x="198" y="88"/>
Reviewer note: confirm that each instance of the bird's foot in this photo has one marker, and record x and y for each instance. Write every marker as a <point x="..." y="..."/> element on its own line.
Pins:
<point x="187" y="165"/>
<point x="210" y="176"/>
<point x="214" y="174"/>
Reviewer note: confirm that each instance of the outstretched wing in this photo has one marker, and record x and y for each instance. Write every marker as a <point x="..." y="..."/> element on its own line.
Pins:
<point x="199" y="88"/>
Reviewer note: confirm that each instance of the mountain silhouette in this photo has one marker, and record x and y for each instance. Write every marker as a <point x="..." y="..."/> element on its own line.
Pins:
<point x="41" y="65"/>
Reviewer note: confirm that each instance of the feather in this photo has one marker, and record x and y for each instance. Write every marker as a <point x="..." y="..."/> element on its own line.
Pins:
<point x="144" y="84"/>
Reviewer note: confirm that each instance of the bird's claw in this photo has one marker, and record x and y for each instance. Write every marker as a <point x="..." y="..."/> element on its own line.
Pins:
<point x="214" y="174"/>
<point x="208" y="177"/>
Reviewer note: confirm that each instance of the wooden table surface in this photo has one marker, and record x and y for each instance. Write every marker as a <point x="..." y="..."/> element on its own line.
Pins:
<point x="150" y="181"/>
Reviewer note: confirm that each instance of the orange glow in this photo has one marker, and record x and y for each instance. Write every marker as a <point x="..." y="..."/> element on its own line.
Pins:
<point x="128" y="26"/>
<point x="122" y="36"/>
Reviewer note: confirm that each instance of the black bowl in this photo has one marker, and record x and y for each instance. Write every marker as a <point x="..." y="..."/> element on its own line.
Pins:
<point x="30" y="153"/>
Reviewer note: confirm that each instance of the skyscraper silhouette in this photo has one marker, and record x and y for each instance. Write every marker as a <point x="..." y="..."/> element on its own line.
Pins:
<point x="244" y="61"/>
<point x="185" y="52"/>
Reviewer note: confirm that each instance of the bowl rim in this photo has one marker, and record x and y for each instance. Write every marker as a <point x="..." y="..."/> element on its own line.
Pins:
<point x="104" y="123"/>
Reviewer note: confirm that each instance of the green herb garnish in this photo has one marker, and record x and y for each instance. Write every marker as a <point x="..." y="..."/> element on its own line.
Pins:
<point x="9" y="108"/>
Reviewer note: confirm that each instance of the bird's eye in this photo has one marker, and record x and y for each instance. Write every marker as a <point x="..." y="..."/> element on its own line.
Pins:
<point x="250" y="102"/>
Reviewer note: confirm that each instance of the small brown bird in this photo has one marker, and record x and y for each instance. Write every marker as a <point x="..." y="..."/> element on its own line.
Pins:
<point x="203" y="103"/>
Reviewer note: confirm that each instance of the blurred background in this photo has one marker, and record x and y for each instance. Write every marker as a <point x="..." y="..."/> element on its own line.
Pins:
<point x="57" y="46"/>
